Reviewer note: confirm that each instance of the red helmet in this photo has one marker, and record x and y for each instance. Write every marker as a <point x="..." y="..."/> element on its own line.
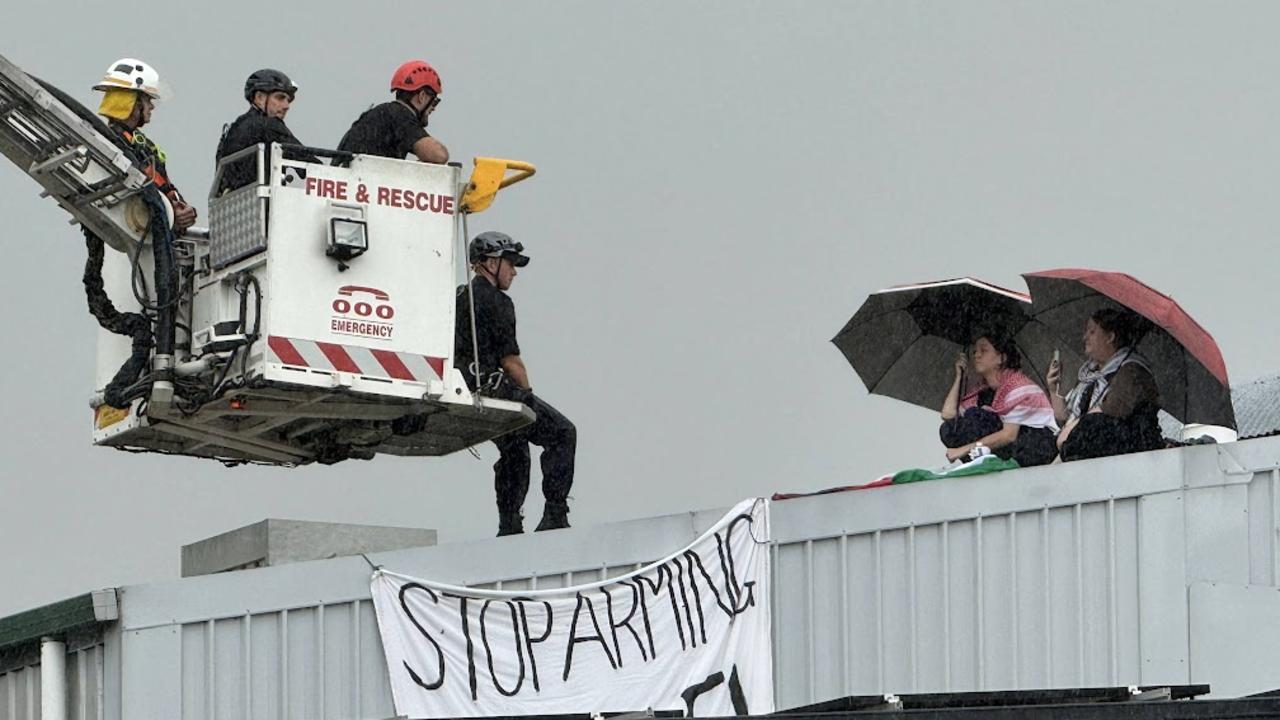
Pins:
<point x="415" y="75"/>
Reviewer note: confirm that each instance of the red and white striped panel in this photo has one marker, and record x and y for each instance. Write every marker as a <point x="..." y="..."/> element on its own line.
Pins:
<point x="354" y="359"/>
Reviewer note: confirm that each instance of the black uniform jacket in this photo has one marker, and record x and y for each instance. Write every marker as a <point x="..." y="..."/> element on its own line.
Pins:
<point x="249" y="129"/>
<point x="389" y="130"/>
<point x="495" y="329"/>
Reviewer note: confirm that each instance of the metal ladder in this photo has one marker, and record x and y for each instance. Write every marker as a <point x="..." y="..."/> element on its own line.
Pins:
<point x="79" y="167"/>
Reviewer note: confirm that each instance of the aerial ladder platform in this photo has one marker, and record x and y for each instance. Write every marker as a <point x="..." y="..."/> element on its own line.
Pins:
<point x="312" y="321"/>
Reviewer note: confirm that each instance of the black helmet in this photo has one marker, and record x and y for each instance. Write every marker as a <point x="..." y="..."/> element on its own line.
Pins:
<point x="496" y="244"/>
<point x="268" y="80"/>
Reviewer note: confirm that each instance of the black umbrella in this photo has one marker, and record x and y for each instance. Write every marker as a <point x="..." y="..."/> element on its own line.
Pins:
<point x="903" y="341"/>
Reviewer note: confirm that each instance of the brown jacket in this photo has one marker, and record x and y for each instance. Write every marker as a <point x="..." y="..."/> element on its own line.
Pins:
<point x="1129" y="387"/>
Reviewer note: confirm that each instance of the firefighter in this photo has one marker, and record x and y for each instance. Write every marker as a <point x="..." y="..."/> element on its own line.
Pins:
<point x="270" y="94"/>
<point x="398" y="128"/>
<point x="500" y="372"/>
<point x="130" y="90"/>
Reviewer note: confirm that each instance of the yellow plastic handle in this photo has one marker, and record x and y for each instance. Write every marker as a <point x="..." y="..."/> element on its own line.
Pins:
<point x="523" y="170"/>
<point x="490" y="176"/>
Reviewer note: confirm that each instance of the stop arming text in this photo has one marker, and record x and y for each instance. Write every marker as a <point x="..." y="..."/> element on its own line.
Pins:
<point x="614" y="620"/>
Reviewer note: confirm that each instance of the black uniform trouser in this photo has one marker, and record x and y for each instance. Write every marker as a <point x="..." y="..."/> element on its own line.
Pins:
<point x="1034" y="446"/>
<point x="558" y="438"/>
<point x="1101" y="435"/>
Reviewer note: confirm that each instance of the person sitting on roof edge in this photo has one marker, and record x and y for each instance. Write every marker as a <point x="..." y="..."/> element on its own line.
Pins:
<point x="1113" y="407"/>
<point x="270" y="94"/>
<point x="130" y="88"/>
<point x="1008" y="413"/>
<point x="491" y="363"/>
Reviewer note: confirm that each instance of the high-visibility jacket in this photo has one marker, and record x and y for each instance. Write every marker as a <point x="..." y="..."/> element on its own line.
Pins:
<point x="153" y="159"/>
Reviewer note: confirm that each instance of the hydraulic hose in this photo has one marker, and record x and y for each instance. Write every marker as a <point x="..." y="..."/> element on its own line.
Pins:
<point x="136" y="325"/>
<point x="124" y="387"/>
<point x="165" y="273"/>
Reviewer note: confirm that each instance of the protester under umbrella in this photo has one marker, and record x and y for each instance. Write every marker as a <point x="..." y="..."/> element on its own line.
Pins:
<point x="1183" y="358"/>
<point x="903" y="341"/>
<point x="1006" y="412"/>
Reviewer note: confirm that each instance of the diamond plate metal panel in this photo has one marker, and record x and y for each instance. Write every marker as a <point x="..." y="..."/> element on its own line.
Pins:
<point x="237" y="226"/>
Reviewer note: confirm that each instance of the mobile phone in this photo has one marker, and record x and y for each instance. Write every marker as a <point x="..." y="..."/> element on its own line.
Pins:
<point x="1057" y="357"/>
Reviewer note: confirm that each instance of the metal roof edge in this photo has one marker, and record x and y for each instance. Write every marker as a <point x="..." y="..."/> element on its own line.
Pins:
<point x="59" y="618"/>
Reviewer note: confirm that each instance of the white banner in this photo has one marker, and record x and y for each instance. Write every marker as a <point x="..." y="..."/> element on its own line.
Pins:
<point x="690" y="632"/>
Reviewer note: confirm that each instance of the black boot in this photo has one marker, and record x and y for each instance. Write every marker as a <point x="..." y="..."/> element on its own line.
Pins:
<point x="554" y="516"/>
<point x="511" y="523"/>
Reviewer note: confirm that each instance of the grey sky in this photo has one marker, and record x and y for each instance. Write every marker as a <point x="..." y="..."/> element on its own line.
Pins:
<point x="720" y="185"/>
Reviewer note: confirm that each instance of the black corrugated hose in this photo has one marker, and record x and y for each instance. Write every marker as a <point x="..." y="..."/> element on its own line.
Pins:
<point x="120" y="391"/>
<point x="166" y="274"/>
<point x="124" y="388"/>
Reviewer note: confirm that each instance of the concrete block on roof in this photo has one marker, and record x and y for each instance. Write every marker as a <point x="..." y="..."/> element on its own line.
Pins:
<point x="274" y="542"/>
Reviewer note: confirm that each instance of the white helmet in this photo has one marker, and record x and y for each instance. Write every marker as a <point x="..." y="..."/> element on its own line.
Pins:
<point x="131" y="74"/>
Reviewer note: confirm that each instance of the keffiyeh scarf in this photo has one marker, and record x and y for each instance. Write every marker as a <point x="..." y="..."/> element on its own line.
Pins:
<point x="1019" y="400"/>
<point x="1095" y="376"/>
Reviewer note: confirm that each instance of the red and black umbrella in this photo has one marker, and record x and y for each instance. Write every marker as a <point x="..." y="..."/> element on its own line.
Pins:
<point x="903" y="341"/>
<point x="1184" y="358"/>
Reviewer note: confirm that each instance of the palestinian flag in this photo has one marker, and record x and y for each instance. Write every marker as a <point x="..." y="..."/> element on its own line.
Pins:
<point x="982" y="466"/>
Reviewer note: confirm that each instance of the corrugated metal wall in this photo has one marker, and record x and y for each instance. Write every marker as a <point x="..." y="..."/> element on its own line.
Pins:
<point x="20" y="689"/>
<point x="1264" y="529"/>
<point x="563" y="579"/>
<point x="1027" y="599"/>
<point x="316" y="662"/>
<point x="323" y="661"/>
<point x="20" y="694"/>
<point x="1048" y="577"/>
